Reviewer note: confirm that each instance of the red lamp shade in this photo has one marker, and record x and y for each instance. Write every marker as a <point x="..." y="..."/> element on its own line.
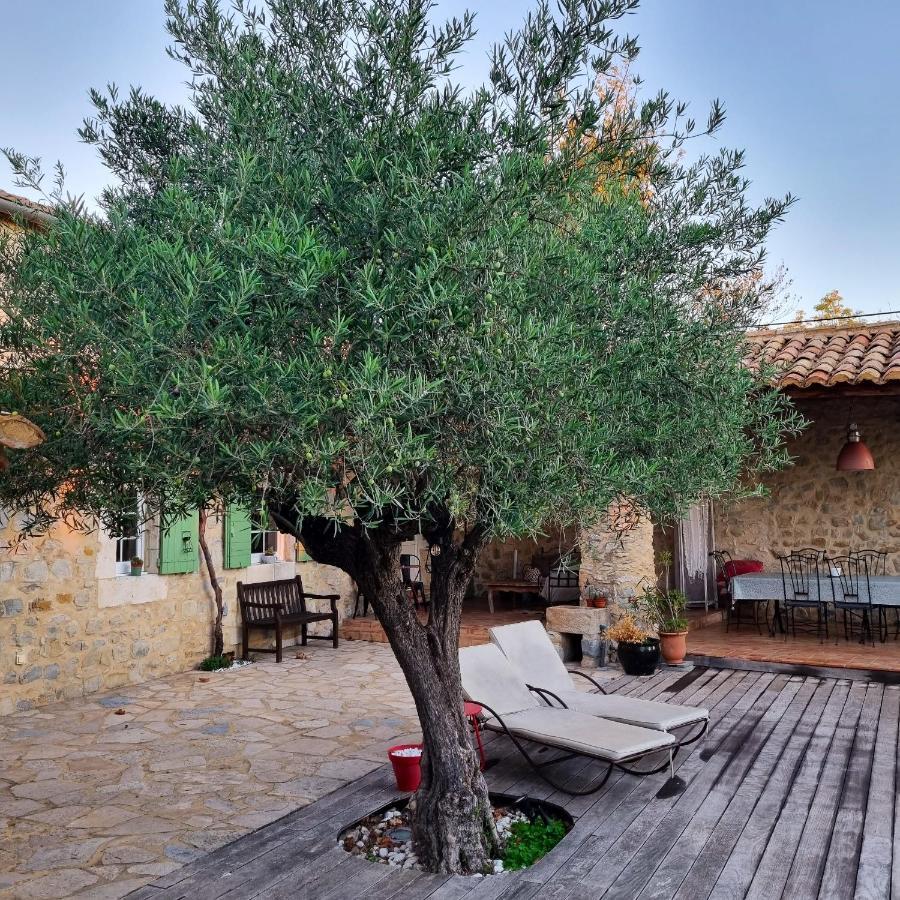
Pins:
<point x="855" y="456"/>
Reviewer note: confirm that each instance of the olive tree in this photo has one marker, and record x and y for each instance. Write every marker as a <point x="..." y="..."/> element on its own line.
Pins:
<point x="394" y="306"/>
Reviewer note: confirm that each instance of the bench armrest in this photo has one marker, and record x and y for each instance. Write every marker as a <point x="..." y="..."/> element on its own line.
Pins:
<point x="332" y="598"/>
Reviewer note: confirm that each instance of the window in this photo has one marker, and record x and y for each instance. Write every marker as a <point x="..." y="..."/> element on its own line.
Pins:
<point x="128" y="544"/>
<point x="263" y="536"/>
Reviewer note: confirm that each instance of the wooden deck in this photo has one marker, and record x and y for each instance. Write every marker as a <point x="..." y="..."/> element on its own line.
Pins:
<point x="791" y="795"/>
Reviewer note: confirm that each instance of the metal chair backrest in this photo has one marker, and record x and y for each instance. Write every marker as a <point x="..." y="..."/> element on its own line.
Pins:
<point x="723" y="559"/>
<point x="410" y="569"/>
<point x="876" y="560"/>
<point x="852" y="578"/>
<point x="800" y="571"/>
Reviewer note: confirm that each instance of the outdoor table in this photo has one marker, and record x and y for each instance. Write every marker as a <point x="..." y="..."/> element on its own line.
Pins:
<point x="885" y="590"/>
<point x="509" y="587"/>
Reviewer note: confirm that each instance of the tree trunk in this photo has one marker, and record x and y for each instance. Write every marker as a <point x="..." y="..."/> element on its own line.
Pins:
<point x="218" y="636"/>
<point x="453" y="828"/>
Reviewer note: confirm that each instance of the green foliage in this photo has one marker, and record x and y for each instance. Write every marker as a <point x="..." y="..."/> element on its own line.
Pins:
<point x="664" y="610"/>
<point x="529" y="841"/>
<point x="212" y="663"/>
<point x="338" y="277"/>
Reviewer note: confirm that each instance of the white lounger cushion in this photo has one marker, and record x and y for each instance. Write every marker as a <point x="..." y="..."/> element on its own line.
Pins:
<point x="633" y="710"/>
<point x="529" y="649"/>
<point x="532" y="654"/>
<point x="487" y="677"/>
<point x="570" y="730"/>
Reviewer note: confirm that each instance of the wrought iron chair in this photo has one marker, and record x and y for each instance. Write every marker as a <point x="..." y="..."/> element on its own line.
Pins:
<point x="876" y="560"/>
<point x="725" y="569"/>
<point x="876" y="564"/>
<point x="802" y="583"/>
<point x="411" y="571"/>
<point x="855" y="600"/>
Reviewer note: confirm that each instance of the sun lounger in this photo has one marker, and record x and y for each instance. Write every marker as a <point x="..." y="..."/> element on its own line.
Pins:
<point x="512" y="709"/>
<point x="529" y="650"/>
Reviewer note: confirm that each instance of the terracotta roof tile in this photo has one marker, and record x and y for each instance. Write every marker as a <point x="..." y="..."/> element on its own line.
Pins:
<point x="824" y="356"/>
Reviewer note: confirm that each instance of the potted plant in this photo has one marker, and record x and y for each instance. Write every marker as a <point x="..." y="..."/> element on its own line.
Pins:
<point x="270" y="557"/>
<point x="594" y="597"/>
<point x="637" y="649"/>
<point x="667" y="608"/>
<point x="137" y="565"/>
<point x="671" y="622"/>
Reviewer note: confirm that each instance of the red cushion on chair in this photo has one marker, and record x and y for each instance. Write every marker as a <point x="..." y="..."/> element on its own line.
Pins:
<point x="739" y="567"/>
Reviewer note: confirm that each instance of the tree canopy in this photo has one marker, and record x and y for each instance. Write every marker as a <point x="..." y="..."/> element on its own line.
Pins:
<point x="339" y="277"/>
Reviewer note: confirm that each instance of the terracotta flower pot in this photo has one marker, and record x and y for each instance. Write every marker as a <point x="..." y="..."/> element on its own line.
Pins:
<point x="674" y="646"/>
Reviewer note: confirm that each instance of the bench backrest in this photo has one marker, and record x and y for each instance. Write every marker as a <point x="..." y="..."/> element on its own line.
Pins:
<point x="288" y="592"/>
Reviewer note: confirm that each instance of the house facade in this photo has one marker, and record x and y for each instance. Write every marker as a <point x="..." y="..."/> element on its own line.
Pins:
<point x="834" y="376"/>
<point x="73" y="620"/>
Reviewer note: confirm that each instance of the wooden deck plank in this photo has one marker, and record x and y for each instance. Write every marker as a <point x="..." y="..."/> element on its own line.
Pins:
<point x="806" y="872"/>
<point x="769" y="777"/>
<point x="696" y="693"/>
<point x="788" y="762"/>
<point x="740" y="864"/>
<point x="839" y="876"/>
<point x="623" y="805"/>
<point x="658" y="834"/>
<point x="775" y="866"/>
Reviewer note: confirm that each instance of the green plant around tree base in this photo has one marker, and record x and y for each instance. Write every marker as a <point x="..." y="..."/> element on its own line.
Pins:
<point x="529" y="841"/>
<point x="212" y="663"/>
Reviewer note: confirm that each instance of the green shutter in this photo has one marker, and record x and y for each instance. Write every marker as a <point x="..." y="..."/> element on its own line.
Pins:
<point x="178" y="545"/>
<point x="237" y="537"/>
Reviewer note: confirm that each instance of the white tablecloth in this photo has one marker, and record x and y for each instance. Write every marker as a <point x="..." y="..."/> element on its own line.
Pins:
<point x="769" y="586"/>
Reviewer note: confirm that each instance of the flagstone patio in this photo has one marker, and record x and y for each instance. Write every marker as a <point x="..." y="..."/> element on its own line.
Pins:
<point x="101" y="795"/>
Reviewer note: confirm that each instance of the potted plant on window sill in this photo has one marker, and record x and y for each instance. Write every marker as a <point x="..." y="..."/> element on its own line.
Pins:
<point x="637" y="649"/>
<point x="137" y="565"/>
<point x="270" y="558"/>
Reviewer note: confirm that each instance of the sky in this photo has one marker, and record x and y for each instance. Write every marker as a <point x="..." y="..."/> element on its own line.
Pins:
<point x="809" y="87"/>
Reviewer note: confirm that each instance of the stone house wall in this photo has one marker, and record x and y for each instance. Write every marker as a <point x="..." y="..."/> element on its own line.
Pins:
<point x="496" y="560"/>
<point x="70" y="626"/>
<point x="624" y="561"/>
<point x="811" y="504"/>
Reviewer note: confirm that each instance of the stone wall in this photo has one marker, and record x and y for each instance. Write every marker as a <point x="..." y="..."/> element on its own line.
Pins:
<point x="811" y="504"/>
<point x="70" y="626"/>
<point x="496" y="560"/>
<point x="621" y="560"/>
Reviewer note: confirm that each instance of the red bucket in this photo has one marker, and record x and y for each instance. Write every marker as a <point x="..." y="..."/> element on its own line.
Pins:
<point x="407" y="769"/>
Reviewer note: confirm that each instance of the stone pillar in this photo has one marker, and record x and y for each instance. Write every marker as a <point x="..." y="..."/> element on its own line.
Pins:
<point x="620" y="559"/>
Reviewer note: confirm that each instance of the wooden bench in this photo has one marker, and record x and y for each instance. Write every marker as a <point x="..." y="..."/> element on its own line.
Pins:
<point x="275" y="604"/>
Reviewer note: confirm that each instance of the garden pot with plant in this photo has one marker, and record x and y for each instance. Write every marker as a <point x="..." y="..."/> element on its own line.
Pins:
<point x="137" y="565"/>
<point x="637" y="649"/>
<point x="667" y="609"/>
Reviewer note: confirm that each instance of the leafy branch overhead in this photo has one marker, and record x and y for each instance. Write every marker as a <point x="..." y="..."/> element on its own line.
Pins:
<point x="339" y="276"/>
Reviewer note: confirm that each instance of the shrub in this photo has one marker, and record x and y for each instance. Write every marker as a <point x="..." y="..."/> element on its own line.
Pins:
<point x="529" y="841"/>
<point x="211" y="663"/>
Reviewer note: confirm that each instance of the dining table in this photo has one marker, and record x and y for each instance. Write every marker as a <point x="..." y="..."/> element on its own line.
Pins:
<point x="884" y="590"/>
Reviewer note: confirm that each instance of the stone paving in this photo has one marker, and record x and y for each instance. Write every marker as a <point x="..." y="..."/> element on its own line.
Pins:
<point x="101" y="795"/>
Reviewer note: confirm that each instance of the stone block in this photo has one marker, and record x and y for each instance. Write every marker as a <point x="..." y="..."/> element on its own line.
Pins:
<point x="576" y="619"/>
<point x="12" y="607"/>
<point x="32" y="673"/>
<point x="37" y="571"/>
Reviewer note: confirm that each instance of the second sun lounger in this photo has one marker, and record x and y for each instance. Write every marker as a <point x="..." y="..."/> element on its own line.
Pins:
<point x="532" y="655"/>
<point x="512" y="709"/>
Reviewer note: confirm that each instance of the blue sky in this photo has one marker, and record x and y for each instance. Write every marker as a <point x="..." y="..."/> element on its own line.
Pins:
<point x="809" y="85"/>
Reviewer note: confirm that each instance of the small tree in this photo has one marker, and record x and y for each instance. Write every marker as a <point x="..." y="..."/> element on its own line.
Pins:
<point x="393" y="306"/>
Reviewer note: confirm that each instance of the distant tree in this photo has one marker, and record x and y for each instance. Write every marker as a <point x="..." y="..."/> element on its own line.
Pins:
<point x="391" y="305"/>
<point x="830" y="307"/>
